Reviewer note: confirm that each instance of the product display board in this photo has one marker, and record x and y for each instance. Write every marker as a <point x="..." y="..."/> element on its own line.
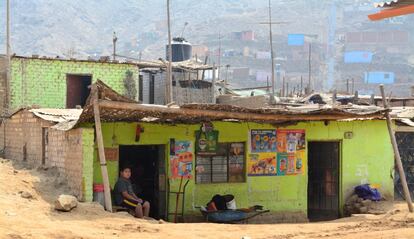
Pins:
<point x="276" y="152"/>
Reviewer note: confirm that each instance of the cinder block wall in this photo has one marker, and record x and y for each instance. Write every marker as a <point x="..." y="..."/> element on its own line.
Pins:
<point x="42" y="82"/>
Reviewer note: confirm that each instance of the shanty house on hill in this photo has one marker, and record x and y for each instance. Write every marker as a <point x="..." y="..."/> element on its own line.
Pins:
<point x="60" y="83"/>
<point x="298" y="163"/>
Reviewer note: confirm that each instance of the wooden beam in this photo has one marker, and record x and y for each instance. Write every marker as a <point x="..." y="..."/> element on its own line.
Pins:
<point x="392" y="12"/>
<point x="396" y="153"/>
<point x="101" y="150"/>
<point x="157" y="111"/>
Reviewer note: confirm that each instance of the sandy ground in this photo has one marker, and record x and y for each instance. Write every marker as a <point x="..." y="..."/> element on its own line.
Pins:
<point x="36" y="218"/>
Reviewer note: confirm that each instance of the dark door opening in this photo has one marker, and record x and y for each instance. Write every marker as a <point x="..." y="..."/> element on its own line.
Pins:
<point x="323" y="181"/>
<point x="405" y="141"/>
<point x="152" y="89"/>
<point x="44" y="144"/>
<point x="148" y="174"/>
<point x="77" y="90"/>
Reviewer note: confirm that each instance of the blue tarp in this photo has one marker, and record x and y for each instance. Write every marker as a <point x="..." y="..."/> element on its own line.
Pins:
<point x="358" y="57"/>
<point x="379" y="77"/>
<point x="296" y="39"/>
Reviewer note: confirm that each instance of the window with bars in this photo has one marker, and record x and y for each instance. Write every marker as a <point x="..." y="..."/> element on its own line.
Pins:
<point x="226" y="165"/>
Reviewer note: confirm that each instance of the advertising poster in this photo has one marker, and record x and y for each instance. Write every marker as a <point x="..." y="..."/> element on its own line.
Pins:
<point x="290" y="141"/>
<point x="263" y="164"/>
<point x="291" y="146"/>
<point x="181" y="159"/>
<point x="206" y="142"/>
<point x="263" y="141"/>
<point x="282" y="164"/>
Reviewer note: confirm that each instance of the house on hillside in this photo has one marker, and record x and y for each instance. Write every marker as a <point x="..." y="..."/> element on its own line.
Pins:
<point x="300" y="163"/>
<point x="64" y="83"/>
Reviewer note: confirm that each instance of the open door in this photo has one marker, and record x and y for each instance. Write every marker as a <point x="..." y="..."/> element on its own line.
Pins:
<point x="323" y="181"/>
<point x="147" y="165"/>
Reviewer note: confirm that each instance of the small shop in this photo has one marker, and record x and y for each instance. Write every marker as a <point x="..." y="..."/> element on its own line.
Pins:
<point x="298" y="165"/>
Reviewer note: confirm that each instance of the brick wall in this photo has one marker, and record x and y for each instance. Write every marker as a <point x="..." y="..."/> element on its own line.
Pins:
<point x="63" y="149"/>
<point x="65" y="152"/>
<point x="3" y="74"/>
<point x="42" y="82"/>
<point x="24" y="137"/>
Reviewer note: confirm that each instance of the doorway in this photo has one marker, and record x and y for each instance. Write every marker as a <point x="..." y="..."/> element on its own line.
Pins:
<point x="77" y="90"/>
<point x="323" y="181"/>
<point x="148" y="179"/>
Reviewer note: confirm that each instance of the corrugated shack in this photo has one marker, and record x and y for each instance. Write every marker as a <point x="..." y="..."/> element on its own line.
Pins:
<point x="298" y="162"/>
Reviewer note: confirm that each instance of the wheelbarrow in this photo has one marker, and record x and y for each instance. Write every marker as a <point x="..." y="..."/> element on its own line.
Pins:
<point x="232" y="216"/>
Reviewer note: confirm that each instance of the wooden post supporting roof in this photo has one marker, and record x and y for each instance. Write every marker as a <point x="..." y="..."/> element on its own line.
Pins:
<point x="101" y="150"/>
<point x="397" y="153"/>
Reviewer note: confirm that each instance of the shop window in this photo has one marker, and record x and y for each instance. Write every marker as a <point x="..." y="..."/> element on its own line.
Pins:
<point x="226" y="165"/>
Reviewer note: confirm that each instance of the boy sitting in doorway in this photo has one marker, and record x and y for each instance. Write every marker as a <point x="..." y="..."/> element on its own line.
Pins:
<point x="125" y="196"/>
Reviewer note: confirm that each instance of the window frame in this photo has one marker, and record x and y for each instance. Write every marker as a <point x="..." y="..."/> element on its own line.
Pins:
<point x="227" y="156"/>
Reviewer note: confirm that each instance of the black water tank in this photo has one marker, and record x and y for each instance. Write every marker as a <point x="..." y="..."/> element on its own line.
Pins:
<point x="181" y="50"/>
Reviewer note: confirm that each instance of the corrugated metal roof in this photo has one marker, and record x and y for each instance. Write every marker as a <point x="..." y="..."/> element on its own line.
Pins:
<point x="57" y="115"/>
<point x="394" y="3"/>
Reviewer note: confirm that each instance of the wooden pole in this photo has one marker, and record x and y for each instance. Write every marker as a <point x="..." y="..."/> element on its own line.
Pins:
<point x="310" y="68"/>
<point x="169" y="96"/>
<point x="101" y="150"/>
<point x="396" y="152"/>
<point x="8" y="56"/>
<point x="213" y="85"/>
<point x="271" y="51"/>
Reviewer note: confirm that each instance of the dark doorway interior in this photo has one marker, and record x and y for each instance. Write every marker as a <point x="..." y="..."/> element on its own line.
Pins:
<point x="323" y="181"/>
<point x="148" y="174"/>
<point x="77" y="90"/>
<point x="405" y="141"/>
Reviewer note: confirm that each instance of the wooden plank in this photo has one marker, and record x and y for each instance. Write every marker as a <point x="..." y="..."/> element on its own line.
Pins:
<point x="397" y="153"/>
<point x="157" y="111"/>
<point x="101" y="149"/>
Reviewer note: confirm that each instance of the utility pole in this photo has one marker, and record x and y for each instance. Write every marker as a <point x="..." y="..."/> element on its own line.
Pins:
<point x="169" y="95"/>
<point x="272" y="54"/>
<point x="114" y="39"/>
<point x="219" y="58"/>
<point x="271" y="50"/>
<point x="310" y="67"/>
<point x="8" y="61"/>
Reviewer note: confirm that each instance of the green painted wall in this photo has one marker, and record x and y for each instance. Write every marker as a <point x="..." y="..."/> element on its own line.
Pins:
<point x="43" y="82"/>
<point x="367" y="157"/>
<point x="88" y="165"/>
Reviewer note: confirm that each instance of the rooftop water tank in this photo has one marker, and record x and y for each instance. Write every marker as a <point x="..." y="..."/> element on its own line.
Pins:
<point x="181" y="50"/>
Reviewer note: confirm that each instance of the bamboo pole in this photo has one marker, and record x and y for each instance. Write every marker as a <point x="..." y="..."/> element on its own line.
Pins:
<point x="396" y="152"/>
<point x="101" y="150"/>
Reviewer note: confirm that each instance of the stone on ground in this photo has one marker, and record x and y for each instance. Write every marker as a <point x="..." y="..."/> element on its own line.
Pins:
<point x="66" y="203"/>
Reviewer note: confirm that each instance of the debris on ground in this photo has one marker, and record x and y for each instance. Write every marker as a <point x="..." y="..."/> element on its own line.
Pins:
<point x="25" y="194"/>
<point x="66" y="203"/>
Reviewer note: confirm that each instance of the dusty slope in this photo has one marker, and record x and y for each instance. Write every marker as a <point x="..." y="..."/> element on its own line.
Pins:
<point x="35" y="218"/>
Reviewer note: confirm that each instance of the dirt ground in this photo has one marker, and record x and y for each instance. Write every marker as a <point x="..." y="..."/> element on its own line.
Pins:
<point x="36" y="218"/>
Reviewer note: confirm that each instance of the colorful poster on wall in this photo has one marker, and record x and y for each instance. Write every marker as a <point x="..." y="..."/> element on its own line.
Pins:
<point x="262" y="164"/>
<point x="206" y="142"/>
<point x="291" y="146"/>
<point x="290" y="141"/>
<point x="181" y="159"/>
<point x="282" y="164"/>
<point x="263" y="141"/>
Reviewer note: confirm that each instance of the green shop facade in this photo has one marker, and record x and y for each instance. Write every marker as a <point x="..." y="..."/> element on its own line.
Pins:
<point x="300" y="166"/>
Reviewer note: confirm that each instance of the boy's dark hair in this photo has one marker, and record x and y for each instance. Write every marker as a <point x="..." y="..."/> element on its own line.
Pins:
<point x="125" y="167"/>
